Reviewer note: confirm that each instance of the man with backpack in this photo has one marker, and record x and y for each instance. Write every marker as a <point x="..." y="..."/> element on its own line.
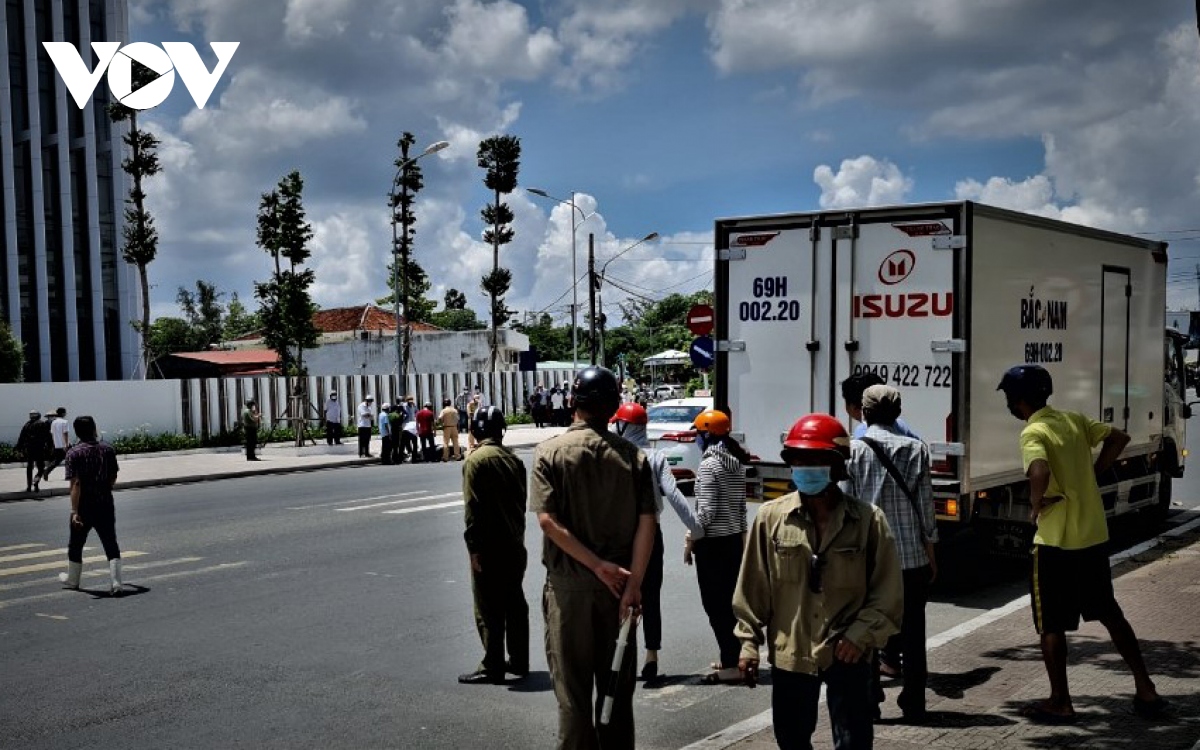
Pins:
<point x="891" y="471"/>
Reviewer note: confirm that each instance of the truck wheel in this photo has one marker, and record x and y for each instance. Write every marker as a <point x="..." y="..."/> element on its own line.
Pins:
<point x="1158" y="511"/>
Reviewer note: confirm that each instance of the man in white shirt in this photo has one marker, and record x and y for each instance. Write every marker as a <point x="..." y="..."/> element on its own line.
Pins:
<point x="60" y="433"/>
<point x="333" y="420"/>
<point x="366" y="420"/>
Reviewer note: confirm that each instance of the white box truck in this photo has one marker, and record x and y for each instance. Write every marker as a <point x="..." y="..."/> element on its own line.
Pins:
<point x="939" y="300"/>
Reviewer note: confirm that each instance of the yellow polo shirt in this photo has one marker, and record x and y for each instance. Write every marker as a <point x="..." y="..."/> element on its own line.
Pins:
<point x="1065" y="440"/>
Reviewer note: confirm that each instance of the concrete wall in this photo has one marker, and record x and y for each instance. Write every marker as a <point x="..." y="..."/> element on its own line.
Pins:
<point x="437" y="353"/>
<point x="209" y="406"/>
<point x="117" y="405"/>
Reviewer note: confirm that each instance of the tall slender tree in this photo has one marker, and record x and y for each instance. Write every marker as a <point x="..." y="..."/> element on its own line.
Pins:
<point x="500" y="157"/>
<point x="141" y="238"/>
<point x="286" y="308"/>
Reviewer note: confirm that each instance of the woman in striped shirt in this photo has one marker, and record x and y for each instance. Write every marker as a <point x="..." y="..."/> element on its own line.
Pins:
<point x="721" y="510"/>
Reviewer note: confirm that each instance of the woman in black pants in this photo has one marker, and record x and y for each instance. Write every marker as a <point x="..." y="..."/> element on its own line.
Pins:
<point x="721" y="510"/>
<point x="631" y="420"/>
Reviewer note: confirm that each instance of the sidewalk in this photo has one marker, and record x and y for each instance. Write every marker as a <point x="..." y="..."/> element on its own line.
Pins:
<point x="204" y="464"/>
<point x="979" y="681"/>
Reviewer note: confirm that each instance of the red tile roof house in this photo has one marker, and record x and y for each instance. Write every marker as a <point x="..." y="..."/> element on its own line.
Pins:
<point x="361" y="341"/>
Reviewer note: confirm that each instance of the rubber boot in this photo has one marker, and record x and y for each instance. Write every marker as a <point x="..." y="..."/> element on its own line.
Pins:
<point x="114" y="570"/>
<point x="70" y="579"/>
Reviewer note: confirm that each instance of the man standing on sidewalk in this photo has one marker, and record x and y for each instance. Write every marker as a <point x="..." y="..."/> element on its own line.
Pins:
<point x="386" y="428"/>
<point x="460" y="405"/>
<point x="60" y="434"/>
<point x="494" y="493"/>
<point x="449" y="417"/>
<point x="593" y="493"/>
<point x="821" y="577"/>
<point x="366" y="420"/>
<point x="1071" y="577"/>
<point x="891" y="472"/>
<point x="333" y="420"/>
<point x="250" y="421"/>
<point x="31" y="444"/>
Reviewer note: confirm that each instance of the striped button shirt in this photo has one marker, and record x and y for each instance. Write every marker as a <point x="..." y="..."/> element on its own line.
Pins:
<point x="869" y="481"/>
<point x="721" y="493"/>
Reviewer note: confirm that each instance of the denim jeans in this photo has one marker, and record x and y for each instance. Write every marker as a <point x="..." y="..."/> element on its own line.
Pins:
<point x="794" y="699"/>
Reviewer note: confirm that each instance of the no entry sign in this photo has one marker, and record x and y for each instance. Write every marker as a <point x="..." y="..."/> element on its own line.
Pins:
<point x="701" y="320"/>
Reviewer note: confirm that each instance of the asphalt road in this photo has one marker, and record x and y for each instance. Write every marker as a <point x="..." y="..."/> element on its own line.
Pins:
<point x="330" y="609"/>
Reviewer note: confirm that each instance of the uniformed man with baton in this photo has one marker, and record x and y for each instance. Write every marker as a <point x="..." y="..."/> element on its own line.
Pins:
<point x="593" y="493"/>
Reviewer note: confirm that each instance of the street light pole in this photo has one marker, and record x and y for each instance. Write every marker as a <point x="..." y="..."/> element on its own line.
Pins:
<point x="597" y="283"/>
<point x="574" y="273"/>
<point x="400" y="256"/>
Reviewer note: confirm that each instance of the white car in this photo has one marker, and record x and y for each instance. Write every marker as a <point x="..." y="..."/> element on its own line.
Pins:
<point x="667" y="390"/>
<point x="670" y="430"/>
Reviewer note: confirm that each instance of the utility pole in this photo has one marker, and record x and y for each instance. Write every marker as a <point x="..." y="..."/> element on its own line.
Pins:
<point x="1198" y="264"/>
<point x="592" y="295"/>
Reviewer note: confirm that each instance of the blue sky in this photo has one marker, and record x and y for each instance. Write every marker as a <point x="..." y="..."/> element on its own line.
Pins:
<point x="663" y="115"/>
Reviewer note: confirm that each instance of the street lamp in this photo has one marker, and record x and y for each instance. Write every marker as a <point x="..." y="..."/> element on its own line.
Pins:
<point x="597" y="282"/>
<point x="574" y="274"/>
<point x="400" y="257"/>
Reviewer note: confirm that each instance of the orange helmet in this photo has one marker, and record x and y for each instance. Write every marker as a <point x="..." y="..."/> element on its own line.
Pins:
<point x="818" y="432"/>
<point x="713" y="422"/>
<point x="633" y="413"/>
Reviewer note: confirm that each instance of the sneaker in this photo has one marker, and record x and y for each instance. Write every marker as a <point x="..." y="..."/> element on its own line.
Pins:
<point x="481" y="677"/>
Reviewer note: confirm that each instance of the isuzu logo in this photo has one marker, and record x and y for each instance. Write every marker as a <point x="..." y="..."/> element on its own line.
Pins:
<point x="897" y="267"/>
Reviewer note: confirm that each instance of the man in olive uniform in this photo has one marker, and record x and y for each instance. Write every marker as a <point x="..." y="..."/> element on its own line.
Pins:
<point x="593" y="493"/>
<point x="250" y="422"/>
<point x="494" y="492"/>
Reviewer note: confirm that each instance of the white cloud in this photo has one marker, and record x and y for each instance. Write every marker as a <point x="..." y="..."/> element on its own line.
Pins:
<point x="859" y="182"/>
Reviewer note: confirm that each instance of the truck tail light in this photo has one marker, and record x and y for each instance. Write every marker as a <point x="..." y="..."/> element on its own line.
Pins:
<point x="952" y="507"/>
<point x="680" y="437"/>
<point x="683" y="473"/>
<point x="947" y="466"/>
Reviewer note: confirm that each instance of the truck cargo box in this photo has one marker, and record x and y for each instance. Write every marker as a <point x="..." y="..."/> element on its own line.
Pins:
<point x="939" y="300"/>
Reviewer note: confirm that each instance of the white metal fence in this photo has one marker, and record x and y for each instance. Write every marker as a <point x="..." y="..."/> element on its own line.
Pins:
<point x="208" y="406"/>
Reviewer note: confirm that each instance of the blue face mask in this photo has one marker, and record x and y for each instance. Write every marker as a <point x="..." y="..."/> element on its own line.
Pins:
<point x="701" y="442"/>
<point x="811" y="480"/>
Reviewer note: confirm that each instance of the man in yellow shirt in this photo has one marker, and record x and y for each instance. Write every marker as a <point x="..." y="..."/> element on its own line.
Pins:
<point x="1071" y="577"/>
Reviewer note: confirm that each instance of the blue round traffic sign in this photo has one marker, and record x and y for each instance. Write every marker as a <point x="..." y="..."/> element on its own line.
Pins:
<point x="702" y="352"/>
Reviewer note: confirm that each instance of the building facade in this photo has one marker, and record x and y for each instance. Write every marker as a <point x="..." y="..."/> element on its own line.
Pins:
<point x="66" y="293"/>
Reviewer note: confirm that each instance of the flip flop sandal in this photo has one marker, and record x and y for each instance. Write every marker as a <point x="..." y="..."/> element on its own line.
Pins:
<point x="1038" y="714"/>
<point x="1154" y="709"/>
<point x="730" y="676"/>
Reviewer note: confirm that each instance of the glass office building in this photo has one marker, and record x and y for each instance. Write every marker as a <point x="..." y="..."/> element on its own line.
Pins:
<point x="66" y="293"/>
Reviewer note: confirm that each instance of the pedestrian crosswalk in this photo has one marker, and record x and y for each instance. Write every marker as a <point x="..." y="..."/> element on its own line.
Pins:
<point x="399" y="503"/>
<point x="29" y="572"/>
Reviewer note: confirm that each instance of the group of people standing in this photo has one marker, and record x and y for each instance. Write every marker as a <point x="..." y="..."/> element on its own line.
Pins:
<point x="832" y="579"/>
<point x="552" y="408"/>
<point x="43" y="444"/>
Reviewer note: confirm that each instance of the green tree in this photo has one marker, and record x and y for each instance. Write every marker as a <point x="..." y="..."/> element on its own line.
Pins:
<point x="238" y="320"/>
<point x="203" y="312"/>
<point x="286" y="309"/>
<point x="455" y="300"/>
<point x="551" y="343"/>
<point x="457" y="320"/>
<point x="12" y="356"/>
<point x="652" y="327"/>
<point x="168" y="335"/>
<point x="500" y="157"/>
<point x="411" y="284"/>
<point x="141" y="238"/>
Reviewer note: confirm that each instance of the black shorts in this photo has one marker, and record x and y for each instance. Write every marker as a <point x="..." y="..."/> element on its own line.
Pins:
<point x="1066" y="584"/>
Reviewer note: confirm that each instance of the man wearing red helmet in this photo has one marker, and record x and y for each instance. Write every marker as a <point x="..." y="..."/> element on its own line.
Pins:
<point x="631" y="420"/>
<point x="821" y="576"/>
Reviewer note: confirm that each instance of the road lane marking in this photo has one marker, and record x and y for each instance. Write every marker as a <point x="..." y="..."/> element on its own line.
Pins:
<point x="43" y="553"/>
<point x="99" y="572"/>
<point x="162" y="577"/>
<point x="359" y="500"/>
<point x="53" y="565"/>
<point x="399" y="502"/>
<point x="10" y="548"/>
<point x="424" y="507"/>
<point x="50" y="617"/>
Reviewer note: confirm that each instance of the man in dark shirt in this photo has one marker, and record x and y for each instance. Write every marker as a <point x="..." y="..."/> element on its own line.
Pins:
<point x="32" y="444"/>
<point x="91" y="468"/>
<point x="494" y="492"/>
